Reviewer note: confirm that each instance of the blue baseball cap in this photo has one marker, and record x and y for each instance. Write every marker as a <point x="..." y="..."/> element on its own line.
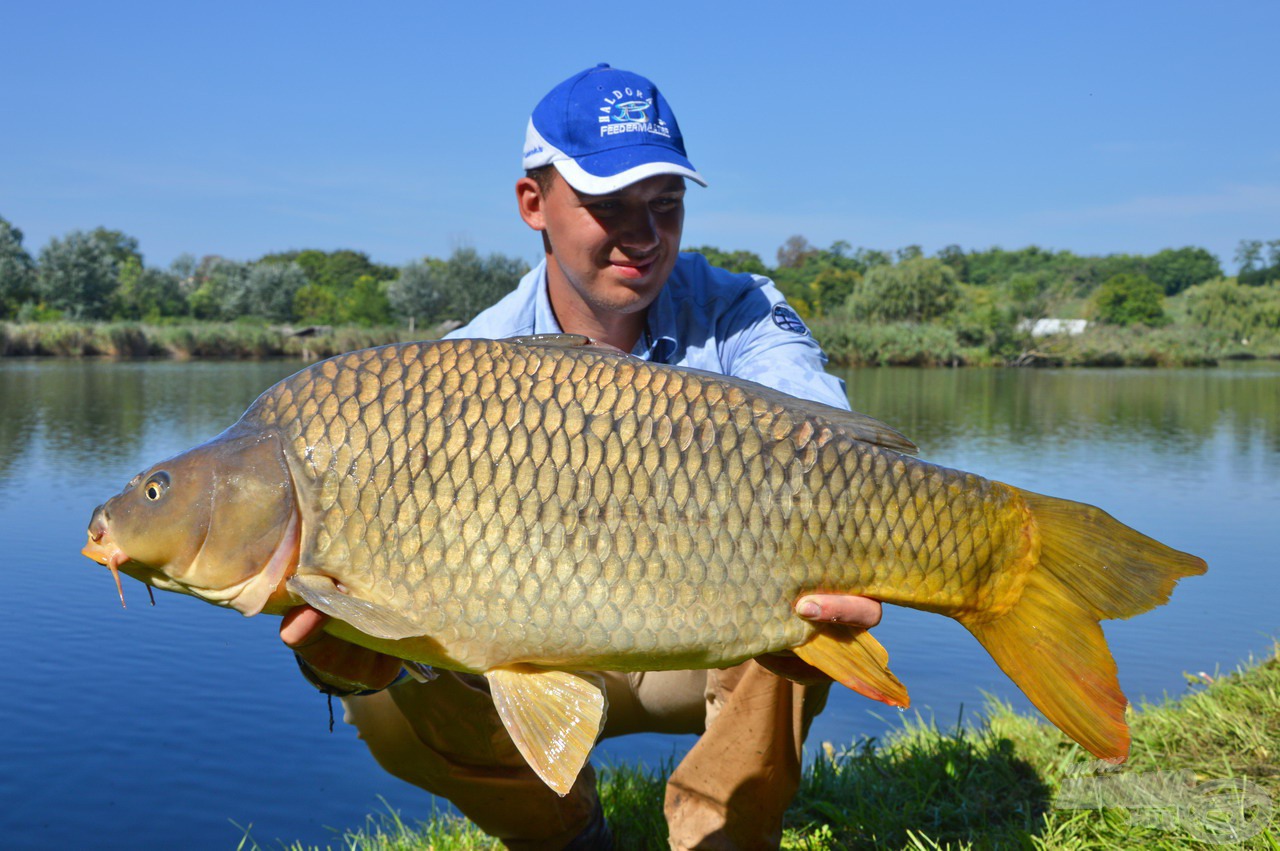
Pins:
<point x="604" y="129"/>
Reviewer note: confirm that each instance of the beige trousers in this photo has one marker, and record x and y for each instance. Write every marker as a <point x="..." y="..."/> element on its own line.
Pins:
<point x="729" y="792"/>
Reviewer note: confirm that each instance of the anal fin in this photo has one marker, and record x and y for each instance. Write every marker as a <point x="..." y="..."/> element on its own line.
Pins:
<point x="854" y="659"/>
<point x="554" y="718"/>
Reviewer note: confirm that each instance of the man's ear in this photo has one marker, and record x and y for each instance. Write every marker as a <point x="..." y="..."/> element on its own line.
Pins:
<point x="531" y="201"/>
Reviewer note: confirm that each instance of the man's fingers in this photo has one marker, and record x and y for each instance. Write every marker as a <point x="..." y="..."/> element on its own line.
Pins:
<point x="844" y="609"/>
<point x="302" y="626"/>
<point x="333" y="661"/>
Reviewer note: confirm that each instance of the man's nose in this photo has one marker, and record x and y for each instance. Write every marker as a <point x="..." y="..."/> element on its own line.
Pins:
<point x="639" y="230"/>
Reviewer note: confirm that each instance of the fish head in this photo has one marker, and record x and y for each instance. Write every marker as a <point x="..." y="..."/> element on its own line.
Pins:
<point x="219" y="522"/>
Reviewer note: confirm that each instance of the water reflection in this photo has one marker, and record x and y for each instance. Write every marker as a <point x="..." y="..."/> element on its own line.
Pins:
<point x="98" y="415"/>
<point x="105" y="411"/>
<point x="1171" y="410"/>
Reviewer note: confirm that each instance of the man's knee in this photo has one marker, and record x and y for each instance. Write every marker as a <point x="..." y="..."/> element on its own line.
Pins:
<point x="449" y="741"/>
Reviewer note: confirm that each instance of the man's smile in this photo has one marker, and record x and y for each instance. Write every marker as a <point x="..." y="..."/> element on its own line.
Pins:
<point x="633" y="268"/>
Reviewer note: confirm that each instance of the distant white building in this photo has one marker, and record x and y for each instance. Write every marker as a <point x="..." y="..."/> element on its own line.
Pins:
<point x="1049" y="327"/>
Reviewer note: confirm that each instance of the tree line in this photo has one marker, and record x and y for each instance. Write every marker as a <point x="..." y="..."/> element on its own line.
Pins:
<point x="101" y="275"/>
<point x="983" y="295"/>
<point x="987" y="297"/>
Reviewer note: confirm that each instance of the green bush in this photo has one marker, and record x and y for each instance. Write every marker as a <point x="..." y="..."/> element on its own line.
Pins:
<point x="1233" y="309"/>
<point x="893" y="344"/>
<point x="1129" y="300"/>
<point x="915" y="290"/>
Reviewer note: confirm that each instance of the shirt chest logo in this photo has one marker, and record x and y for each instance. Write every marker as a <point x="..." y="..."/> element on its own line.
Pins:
<point x="788" y="320"/>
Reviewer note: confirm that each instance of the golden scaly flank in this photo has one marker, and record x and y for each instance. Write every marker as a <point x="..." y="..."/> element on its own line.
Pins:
<point x="565" y="506"/>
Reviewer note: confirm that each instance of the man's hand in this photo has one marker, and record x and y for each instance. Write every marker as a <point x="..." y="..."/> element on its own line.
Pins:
<point x="345" y="666"/>
<point x="844" y="609"/>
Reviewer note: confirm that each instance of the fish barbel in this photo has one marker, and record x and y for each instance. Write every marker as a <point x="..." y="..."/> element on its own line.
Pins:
<point x="537" y="508"/>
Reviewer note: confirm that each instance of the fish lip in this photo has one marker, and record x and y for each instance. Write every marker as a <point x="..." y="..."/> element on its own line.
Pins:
<point x="103" y="550"/>
<point x="107" y="553"/>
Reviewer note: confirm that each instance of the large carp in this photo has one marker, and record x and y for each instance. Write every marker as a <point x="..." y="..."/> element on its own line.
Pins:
<point x="538" y="508"/>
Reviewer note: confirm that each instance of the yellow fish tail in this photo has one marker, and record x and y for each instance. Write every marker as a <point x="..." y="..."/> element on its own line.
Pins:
<point x="1091" y="568"/>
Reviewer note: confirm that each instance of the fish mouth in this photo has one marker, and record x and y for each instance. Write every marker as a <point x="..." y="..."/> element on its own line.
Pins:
<point x="107" y="553"/>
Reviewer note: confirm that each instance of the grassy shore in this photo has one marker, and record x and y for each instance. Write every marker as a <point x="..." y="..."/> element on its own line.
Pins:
<point x="905" y="344"/>
<point x="211" y="340"/>
<point x="1204" y="770"/>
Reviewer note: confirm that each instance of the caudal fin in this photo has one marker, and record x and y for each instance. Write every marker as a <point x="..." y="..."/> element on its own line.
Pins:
<point x="1091" y="568"/>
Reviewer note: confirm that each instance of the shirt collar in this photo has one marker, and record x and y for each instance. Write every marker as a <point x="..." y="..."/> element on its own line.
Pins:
<point x="544" y="318"/>
<point x="658" y="343"/>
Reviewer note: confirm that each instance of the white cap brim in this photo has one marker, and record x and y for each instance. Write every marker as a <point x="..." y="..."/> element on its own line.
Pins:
<point x="540" y="152"/>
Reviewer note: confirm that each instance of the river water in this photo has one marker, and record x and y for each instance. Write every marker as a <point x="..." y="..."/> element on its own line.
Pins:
<point x="184" y="725"/>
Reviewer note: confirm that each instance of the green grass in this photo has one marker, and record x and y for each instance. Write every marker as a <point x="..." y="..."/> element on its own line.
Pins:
<point x="993" y="785"/>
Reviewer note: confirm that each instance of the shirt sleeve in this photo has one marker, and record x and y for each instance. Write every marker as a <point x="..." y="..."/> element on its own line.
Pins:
<point x="764" y="340"/>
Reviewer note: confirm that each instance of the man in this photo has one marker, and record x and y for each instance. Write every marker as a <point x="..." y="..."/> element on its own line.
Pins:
<point x="604" y="186"/>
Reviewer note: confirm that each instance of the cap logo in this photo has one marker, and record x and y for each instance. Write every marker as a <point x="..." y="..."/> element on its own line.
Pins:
<point x="631" y="110"/>
<point x="627" y="110"/>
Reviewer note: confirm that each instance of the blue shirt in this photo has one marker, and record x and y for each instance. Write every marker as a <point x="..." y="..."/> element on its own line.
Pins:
<point x="704" y="317"/>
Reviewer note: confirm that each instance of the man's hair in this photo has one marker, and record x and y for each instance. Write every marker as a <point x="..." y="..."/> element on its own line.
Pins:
<point x="542" y="175"/>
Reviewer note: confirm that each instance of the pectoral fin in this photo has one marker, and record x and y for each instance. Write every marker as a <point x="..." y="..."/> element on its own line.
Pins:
<point x="853" y="658"/>
<point x="554" y="718"/>
<point x="323" y="593"/>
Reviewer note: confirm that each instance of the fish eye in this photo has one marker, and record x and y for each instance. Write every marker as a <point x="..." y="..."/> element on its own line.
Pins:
<point x="156" y="486"/>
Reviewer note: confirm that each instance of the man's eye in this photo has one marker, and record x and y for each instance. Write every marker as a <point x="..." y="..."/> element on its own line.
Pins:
<point x="666" y="205"/>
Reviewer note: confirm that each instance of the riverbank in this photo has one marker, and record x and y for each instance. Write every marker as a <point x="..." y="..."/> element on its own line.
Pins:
<point x="848" y="343"/>
<point x="905" y="344"/>
<point x="1204" y="766"/>
<point x="196" y="340"/>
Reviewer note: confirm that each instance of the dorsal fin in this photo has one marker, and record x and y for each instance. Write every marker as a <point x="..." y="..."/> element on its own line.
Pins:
<point x="858" y="426"/>
<point x="565" y="341"/>
<point x="861" y="427"/>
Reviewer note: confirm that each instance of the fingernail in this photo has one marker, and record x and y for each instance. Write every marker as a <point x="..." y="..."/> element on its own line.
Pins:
<point x="808" y="609"/>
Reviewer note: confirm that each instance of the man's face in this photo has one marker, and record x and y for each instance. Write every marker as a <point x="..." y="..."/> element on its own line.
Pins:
<point x="612" y="253"/>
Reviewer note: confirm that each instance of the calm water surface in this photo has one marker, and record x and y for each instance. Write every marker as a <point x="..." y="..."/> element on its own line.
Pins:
<point x="183" y="725"/>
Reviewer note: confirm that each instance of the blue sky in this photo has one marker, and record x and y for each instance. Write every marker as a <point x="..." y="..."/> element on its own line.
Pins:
<point x="395" y="128"/>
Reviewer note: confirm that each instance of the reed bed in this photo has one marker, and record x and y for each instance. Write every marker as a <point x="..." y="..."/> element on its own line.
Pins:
<point x="223" y="341"/>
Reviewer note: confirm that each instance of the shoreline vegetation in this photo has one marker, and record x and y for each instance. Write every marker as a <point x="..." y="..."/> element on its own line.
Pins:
<point x="847" y="343"/>
<point x="194" y="340"/>
<point x="1204" y="770"/>
<point x="91" y="294"/>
